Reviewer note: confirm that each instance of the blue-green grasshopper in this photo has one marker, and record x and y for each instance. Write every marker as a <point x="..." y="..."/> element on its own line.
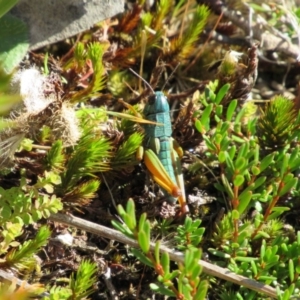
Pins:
<point x="162" y="154"/>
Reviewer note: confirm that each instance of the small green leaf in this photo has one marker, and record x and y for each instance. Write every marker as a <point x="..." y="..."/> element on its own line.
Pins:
<point x="221" y="93"/>
<point x="46" y="213"/>
<point x="143" y="241"/>
<point x="244" y="199"/>
<point x="219" y="110"/>
<point x="36" y="215"/>
<point x="254" y="268"/>
<point x="165" y="262"/>
<point x="276" y="212"/>
<point x="238" y="180"/>
<point x="225" y="143"/>
<point x="156" y="252"/>
<point x="142" y="221"/>
<point x="235" y="215"/>
<point x="129" y="222"/>
<point x="263" y="234"/>
<point x="231" y="152"/>
<point x="209" y="94"/>
<point x="284" y="248"/>
<point x="267" y="278"/>
<point x="225" y="127"/>
<point x="227" y="186"/>
<point x="237" y="139"/>
<point x="291" y="270"/>
<point x="201" y="290"/>
<point x="197" y="269"/>
<point x="244" y="151"/>
<point x="237" y="127"/>
<point x="230" y="164"/>
<point x="219" y="253"/>
<point x="231" y="109"/>
<point x="259" y="181"/>
<point x="205" y="118"/>
<point x="284" y="164"/>
<point x="288" y="186"/>
<point x="245" y="259"/>
<point x="266" y="161"/>
<point x="218" y="138"/>
<point x="121" y="211"/>
<point x="188" y="260"/>
<point x="199" y="126"/>
<point x="240" y="115"/>
<point x="130" y="209"/>
<point x="208" y="143"/>
<point x="255" y="170"/>
<point x="286" y="295"/>
<point x="263" y="249"/>
<point x="162" y="290"/>
<point x="122" y="228"/>
<point x="5" y="211"/>
<point x="141" y="256"/>
<point x="219" y="187"/>
<point x="294" y="164"/>
<point x="187" y="223"/>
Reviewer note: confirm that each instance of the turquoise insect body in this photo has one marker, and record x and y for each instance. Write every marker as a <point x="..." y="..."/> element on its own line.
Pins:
<point x="158" y="138"/>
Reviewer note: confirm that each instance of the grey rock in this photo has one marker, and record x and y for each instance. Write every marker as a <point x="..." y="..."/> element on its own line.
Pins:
<point x="50" y="21"/>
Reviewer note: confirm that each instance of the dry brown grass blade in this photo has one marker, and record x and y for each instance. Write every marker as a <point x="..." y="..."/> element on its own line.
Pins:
<point x="177" y="256"/>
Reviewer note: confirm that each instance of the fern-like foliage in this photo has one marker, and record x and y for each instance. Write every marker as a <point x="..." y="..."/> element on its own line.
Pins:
<point x="278" y="123"/>
<point x="224" y="232"/>
<point x="59" y="293"/>
<point x="163" y="7"/>
<point x="23" y="258"/>
<point x="19" y="208"/>
<point x="90" y="156"/>
<point x="55" y="158"/>
<point x="81" y="284"/>
<point x="183" y="46"/>
<point x="92" y="56"/>
<point x="125" y="155"/>
<point x="82" y="193"/>
<point x="128" y="126"/>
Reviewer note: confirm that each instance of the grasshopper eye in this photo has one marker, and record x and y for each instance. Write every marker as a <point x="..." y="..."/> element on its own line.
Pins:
<point x="152" y="99"/>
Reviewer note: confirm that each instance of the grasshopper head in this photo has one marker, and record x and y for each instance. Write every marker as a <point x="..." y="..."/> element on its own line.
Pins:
<point x="157" y="103"/>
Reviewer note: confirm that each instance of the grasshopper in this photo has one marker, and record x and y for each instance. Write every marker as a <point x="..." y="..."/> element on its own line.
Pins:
<point x="162" y="154"/>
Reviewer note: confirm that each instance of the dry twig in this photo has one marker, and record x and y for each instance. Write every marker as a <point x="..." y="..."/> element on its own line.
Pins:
<point x="177" y="256"/>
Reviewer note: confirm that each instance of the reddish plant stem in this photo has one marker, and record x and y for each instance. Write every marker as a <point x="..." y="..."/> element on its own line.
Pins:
<point x="270" y="208"/>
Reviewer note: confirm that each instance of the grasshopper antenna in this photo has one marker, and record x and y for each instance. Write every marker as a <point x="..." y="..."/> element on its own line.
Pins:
<point x="148" y="85"/>
<point x="168" y="79"/>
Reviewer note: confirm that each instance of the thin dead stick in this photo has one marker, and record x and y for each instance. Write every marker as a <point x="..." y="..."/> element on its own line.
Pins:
<point x="177" y="256"/>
